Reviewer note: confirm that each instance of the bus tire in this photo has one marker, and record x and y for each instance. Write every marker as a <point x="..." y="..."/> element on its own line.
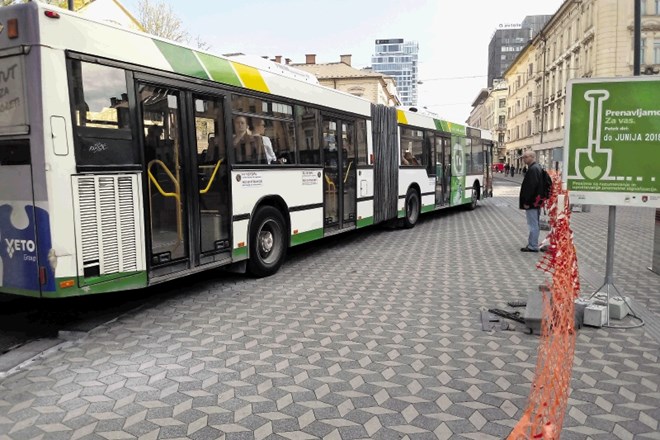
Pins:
<point x="475" y="198"/>
<point x="412" y="208"/>
<point x="267" y="242"/>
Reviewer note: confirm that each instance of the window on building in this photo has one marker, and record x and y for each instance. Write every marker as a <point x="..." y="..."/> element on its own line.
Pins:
<point x="643" y="7"/>
<point x="642" y="50"/>
<point x="657" y="7"/>
<point x="501" y="120"/>
<point x="500" y="138"/>
<point x="502" y="103"/>
<point x="656" y="51"/>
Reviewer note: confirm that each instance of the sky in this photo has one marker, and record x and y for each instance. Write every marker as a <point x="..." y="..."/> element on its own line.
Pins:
<point x="453" y="36"/>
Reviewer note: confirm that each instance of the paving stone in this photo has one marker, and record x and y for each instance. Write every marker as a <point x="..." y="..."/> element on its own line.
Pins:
<point x="379" y="338"/>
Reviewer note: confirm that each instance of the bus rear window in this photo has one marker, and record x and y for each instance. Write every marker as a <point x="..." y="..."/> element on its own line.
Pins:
<point x="13" y="105"/>
<point x="15" y="152"/>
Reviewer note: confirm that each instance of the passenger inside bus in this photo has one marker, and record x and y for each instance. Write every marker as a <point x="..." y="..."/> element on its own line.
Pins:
<point x="259" y="128"/>
<point x="152" y="141"/>
<point x="408" y="159"/>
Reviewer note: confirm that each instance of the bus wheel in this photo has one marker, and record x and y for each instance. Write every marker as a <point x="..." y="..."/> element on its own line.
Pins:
<point x="267" y="242"/>
<point x="412" y="209"/>
<point x="475" y="198"/>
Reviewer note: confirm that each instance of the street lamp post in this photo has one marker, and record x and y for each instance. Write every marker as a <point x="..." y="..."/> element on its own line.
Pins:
<point x="70" y="4"/>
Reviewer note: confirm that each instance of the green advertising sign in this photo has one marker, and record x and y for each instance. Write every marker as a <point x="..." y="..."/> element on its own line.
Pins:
<point x="612" y="149"/>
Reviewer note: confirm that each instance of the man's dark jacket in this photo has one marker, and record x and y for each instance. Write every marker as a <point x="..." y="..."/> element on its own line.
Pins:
<point x="532" y="187"/>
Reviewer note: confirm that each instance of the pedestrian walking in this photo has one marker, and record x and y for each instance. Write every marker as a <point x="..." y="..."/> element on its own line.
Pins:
<point x="530" y="199"/>
<point x="513" y="170"/>
<point x="506" y="169"/>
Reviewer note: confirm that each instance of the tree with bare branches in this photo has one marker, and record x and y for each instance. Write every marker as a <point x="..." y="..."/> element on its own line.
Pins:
<point x="158" y="18"/>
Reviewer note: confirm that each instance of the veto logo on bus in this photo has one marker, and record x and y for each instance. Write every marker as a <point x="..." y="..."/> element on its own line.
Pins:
<point x="17" y="245"/>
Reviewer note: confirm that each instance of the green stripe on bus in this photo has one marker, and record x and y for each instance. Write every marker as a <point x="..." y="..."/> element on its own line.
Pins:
<point x="128" y="281"/>
<point x="84" y="282"/>
<point x="306" y="237"/>
<point x="220" y="70"/>
<point x="428" y="208"/>
<point x="450" y="127"/>
<point x="182" y="59"/>
<point x="239" y="253"/>
<point x="401" y="213"/>
<point x="363" y="222"/>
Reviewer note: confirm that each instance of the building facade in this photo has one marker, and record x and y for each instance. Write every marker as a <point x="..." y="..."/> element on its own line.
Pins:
<point x="489" y="113"/>
<point x="373" y="86"/>
<point x="521" y="124"/>
<point x="477" y="116"/>
<point x="398" y="59"/>
<point x="591" y="38"/>
<point x="496" y="117"/>
<point x="507" y="42"/>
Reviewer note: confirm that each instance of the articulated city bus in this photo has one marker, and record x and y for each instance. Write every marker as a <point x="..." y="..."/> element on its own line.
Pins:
<point x="127" y="160"/>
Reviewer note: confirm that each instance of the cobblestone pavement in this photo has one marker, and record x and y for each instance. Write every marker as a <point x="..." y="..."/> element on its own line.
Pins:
<point x="375" y="334"/>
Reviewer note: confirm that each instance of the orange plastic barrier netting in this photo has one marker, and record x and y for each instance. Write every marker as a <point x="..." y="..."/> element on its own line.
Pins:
<point x="548" y="398"/>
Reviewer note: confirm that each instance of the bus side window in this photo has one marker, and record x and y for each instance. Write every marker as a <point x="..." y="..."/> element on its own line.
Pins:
<point x="307" y="135"/>
<point x="102" y="125"/>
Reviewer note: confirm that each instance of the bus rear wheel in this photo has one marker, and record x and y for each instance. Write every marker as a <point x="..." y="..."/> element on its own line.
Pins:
<point x="412" y="209"/>
<point x="475" y="198"/>
<point x="267" y="242"/>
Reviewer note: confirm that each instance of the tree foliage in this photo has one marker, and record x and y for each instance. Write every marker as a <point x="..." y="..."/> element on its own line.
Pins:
<point x="158" y="18"/>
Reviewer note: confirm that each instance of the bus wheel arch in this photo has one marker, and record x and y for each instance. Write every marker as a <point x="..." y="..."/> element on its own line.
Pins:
<point x="412" y="206"/>
<point x="476" y="195"/>
<point x="268" y="236"/>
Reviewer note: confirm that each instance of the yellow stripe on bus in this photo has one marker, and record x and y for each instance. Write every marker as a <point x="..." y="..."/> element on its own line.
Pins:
<point x="251" y="77"/>
<point x="401" y="117"/>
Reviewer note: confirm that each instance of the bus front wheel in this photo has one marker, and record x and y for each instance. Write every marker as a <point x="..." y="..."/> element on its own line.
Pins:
<point x="267" y="242"/>
<point x="412" y="209"/>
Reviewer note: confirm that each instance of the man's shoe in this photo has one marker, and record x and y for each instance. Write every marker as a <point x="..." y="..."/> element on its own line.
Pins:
<point x="526" y="249"/>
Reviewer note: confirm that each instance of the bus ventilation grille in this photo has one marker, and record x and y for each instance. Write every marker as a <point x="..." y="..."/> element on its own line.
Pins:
<point x="108" y="224"/>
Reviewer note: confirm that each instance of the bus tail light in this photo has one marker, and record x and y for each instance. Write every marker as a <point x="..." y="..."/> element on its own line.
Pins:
<point x="295" y="231"/>
<point x="42" y="275"/>
<point x="241" y="244"/>
<point x="66" y="284"/>
<point x="51" y="14"/>
<point x="12" y="28"/>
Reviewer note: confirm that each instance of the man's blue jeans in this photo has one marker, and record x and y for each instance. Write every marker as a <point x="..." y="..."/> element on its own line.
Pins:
<point x="533" y="225"/>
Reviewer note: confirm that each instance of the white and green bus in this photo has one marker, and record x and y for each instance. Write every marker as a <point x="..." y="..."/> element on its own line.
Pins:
<point x="127" y="160"/>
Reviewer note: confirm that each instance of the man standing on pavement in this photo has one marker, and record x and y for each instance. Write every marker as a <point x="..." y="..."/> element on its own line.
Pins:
<point x="530" y="199"/>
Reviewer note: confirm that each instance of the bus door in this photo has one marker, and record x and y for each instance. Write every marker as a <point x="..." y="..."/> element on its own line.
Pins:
<point x="212" y="195"/>
<point x="443" y="163"/>
<point x="339" y="158"/>
<point x="488" y="168"/>
<point x="186" y="190"/>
